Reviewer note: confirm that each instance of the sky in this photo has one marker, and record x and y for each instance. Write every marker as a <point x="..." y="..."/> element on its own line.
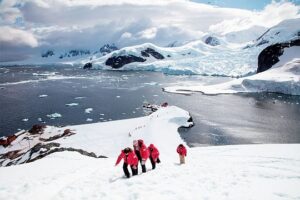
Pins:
<point x="29" y="27"/>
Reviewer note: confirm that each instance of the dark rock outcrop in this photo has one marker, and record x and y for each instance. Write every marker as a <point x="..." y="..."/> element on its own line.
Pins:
<point x="47" y="54"/>
<point x="37" y="129"/>
<point x="152" y="52"/>
<point x="88" y="65"/>
<point x="7" y="140"/>
<point x="212" y="41"/>
<point x="67" y="132"/>
<point x="39" y="151"/>
<point x="270" y="55"/>
<point x="108" y="48"/>
<point x="119" y="61"/>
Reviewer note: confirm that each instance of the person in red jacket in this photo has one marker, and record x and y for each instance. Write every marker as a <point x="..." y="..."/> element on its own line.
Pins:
<point x="154" y="155"/>
<point x="129" y="159"/>
<point x="144" y="154"/>
<point x="181" y="150"/>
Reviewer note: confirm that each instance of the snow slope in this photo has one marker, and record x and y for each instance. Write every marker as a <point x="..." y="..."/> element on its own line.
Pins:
<point x="102" y="138"/>
<point x="283" y="77"/>
<point x="223" y="172"/>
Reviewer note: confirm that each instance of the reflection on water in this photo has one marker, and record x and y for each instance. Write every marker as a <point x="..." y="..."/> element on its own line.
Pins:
<point x="29" y="94"/>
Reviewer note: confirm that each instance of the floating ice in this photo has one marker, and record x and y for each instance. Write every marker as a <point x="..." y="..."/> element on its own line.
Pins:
<point x="54" y="115"/>
<point x="88" y="110"/>
<point x="43" y="95"/>
<point x="89" y="120"/>
<point x="118" y="96"/>
<point x="79" y="98"/>
<point x="25" y="119"/>
<point x="151" y="83"/>
<point x="72" y="104"/>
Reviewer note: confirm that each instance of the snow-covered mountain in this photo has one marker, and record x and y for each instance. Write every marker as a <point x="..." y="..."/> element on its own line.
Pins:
<point x="211" y="55"/>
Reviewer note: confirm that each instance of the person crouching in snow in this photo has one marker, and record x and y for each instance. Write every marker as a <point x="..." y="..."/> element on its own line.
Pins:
<point x="154" y="155"/>
<point x="144" y="154"/>
<point x="181" y="150"/>
<point x="129" y="159"/>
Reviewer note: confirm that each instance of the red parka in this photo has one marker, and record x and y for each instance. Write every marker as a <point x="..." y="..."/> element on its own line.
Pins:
<point x="181" y="150"/>
<point x="130" y="159"/>
<point x="154" y="153"/>
<point x="143" y="150"/>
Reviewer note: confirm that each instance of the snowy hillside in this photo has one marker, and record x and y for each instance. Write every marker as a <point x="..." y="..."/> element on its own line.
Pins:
<point x="285" y="30"/>
<point x="284" y="77"/>
<point x="225" y="172"/>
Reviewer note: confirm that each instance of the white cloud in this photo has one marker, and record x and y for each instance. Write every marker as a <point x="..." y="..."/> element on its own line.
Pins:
<point x="16" y="37"/>
<point x="66" y="24"/>
<point x="272" y="14"/>
<point x="14" y="44"/>
<point x="126" y="35"/>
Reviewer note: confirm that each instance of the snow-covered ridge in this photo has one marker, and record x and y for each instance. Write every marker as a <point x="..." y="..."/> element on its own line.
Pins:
<point x="195" y="57"/>
<point x="41" y="141"/>
<point x="284" y="31"/>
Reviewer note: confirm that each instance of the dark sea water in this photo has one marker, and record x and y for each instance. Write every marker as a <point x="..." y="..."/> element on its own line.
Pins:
<point x="29" y="94"/>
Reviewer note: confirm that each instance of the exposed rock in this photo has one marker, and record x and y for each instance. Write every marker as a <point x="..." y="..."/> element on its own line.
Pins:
<point x="67" y="132"/>
<point x="108" y="48"/>
<point x="119" y="61"/>
<point x="39" y="151"/>
<point x="88" y="65"/>
<point x="153" y="53"/>
<point x="10" y="155"/>
<point x="75" y="52"/>
<point x="212" y="41"/>
<point x="270" y="55"/>
<point x="48" y="53"/>
<point x="49" y="148"/>
<point x="7" y="140"/>
<point x="262" y="42"/>
<point x="145" y="54"/>
<point x="37" y="129"/>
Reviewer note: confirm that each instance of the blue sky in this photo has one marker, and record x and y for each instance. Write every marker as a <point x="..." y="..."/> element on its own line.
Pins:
<point x="244" y="4"/>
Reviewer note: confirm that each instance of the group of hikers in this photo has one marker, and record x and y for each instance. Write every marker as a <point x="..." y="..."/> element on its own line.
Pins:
<point x="140" y="153"/>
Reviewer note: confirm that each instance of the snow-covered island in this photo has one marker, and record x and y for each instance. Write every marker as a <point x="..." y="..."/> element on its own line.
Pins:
<point x="77" y="162"/>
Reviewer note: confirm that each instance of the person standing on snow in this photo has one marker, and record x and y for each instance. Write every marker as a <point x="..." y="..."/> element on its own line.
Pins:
<point x="181" y="150"/>
<point x="129" y="159"/>
<point x="144" y="154"/>
<point x="154" y="155"/>
<point x="137" y="150"/>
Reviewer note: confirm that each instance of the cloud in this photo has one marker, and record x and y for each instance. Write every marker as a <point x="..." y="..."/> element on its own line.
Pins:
<point x="17" y="37"/>
<point x="69" y="24"/>
<point x="14" y="43"/>
<point x="272" y="14"/>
